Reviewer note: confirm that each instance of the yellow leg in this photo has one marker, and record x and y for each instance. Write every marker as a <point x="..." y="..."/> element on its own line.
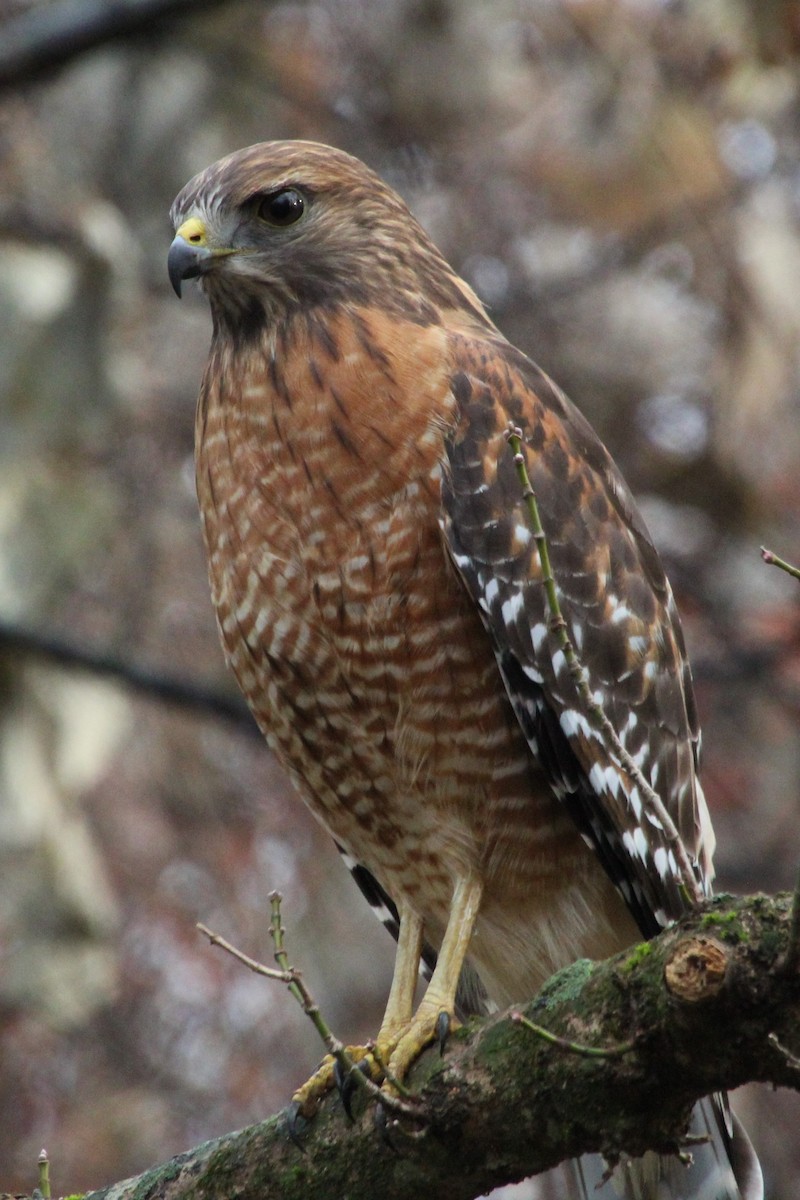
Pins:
<point x="440" y="995"/>
<point x="400" y="1004"/>
<point x="396" y="1018"/>
<point x="403" y="1037"/>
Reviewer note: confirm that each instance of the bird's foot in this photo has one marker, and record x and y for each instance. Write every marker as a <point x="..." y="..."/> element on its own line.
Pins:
<point x="431" y="1023"/>
<point x="386" y="1062"/>
<point x="328" y="1075"/>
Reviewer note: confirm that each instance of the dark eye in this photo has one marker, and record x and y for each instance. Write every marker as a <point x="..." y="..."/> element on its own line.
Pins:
<point x="281" y="208"/>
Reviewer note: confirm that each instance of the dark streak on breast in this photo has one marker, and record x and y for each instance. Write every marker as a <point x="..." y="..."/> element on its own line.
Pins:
<point x="315" y="373"/>
<point x="370" y="346"/>
<point x="278" y="382"/>
<point x="343" y="439"/>
<point x="319" y="331"/>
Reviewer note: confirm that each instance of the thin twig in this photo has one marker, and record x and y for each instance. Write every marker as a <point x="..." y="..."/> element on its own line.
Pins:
<point x="287" y="974"/>
<point x="774" y="561"/>
<point x="251" y="963"/>
<point x="790" y="1058"/>
<point x="580" y="677"/>
<point x="553" y="1039"/>
<point x="44" y="1175"/>
<point x="298" y="988"/>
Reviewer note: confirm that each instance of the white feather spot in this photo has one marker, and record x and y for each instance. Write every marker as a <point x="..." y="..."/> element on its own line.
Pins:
<point x="573" y="723"/>
<point x="597" y="778"/>
<point x="641" y="843"/>
<point x="707" y="838"/>
<point x="630" y="844"/>
<point x="383" y="914"/>
<point x="511" y="608"/>
<point x="538" y="636"/>
<point x="613" y="780"/>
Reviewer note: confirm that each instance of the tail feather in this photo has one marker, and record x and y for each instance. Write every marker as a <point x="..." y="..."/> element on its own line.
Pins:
<point x="723" y="1167"/>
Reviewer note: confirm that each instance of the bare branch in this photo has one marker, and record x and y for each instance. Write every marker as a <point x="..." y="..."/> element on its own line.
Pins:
<point x="46" y="37"/>
<point x="169" y="689"/>
<point x="298" y="987"/>
<point x="704" y="1007"/>
<point x="773" y="560"/>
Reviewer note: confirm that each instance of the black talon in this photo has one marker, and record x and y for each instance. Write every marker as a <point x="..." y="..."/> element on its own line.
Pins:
<point x="344" y="1086"/>
<point x="442" y="1030"/>
<point x="347" y="1085"/>
<point x="295" y="1124"/>
<point x="382" y="1127"/>
<point x="347" y="1098"/>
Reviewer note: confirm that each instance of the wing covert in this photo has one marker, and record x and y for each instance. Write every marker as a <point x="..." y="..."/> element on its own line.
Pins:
<point x="620" y="615"/>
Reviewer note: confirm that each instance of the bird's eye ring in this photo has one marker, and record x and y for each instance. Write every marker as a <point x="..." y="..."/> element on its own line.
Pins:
<point x="284" y="207"/>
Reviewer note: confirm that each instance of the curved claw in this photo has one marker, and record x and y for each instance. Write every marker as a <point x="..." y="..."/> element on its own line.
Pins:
<point x="442" y="1030"/>
<point x="295" y="1124"/>
<point x="346" y="1084"/>
<point x="327" y="1076"/>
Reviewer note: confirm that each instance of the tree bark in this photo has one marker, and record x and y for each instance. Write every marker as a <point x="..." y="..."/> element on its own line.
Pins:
<point x="710" y="1004"/>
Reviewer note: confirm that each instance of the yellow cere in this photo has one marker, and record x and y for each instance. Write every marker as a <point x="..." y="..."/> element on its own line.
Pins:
<point x="193" y="231"/>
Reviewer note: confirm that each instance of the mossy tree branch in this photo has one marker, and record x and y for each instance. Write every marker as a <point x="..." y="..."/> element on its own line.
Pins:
<point x="710" y="1004"/>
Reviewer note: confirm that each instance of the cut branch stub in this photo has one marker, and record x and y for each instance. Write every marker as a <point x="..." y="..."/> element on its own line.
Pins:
<point x="695" y="970"/>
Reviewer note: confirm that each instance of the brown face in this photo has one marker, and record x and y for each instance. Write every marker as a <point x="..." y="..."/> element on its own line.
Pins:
<point x="286" y="225"/>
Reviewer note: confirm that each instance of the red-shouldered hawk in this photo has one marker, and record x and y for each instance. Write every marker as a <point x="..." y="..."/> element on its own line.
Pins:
<point x="380" y="600"/>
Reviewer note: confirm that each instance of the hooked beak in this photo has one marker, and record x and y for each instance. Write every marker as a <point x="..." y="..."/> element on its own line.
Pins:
<point x="190" y="254"/>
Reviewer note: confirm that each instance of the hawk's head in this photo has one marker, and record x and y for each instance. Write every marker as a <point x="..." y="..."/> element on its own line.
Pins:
<point x="287" y="225"/>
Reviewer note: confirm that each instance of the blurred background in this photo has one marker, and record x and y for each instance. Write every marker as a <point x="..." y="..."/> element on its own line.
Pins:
<point x="620" y="181"/>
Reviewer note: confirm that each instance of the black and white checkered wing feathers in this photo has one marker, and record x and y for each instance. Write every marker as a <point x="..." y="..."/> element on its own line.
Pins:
<point x="620" y="617"/>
